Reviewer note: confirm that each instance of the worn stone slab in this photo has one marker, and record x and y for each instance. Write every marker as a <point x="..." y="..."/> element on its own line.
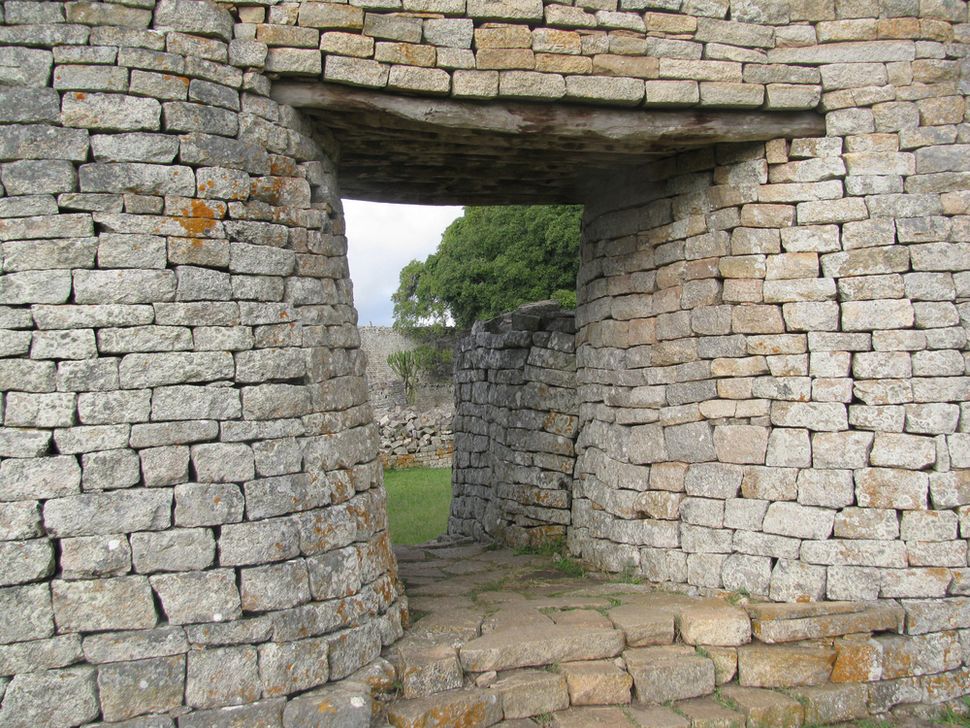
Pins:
<point x="714" y="622"/>
<point x="643" y="626"/>
<point x="655" y="716"/>
<point x="507" y="649"/>
<point x="54" y="698"/>
<point x="261" y="714"/>
<point x="596" y="682"/>
<point x="782" y="666"/>
<point x="344" y="705"/>
<point x="129" y="689"/>
<point x="765" y="707"/>
<point x="473" y="708"/>
<point x="596" y="717"/>
<point x="661" y="674"/>
<point x="525" y="693"/>
<point x="425" y="668"/>
<point x="710" y="713"/>
<point x="793" y="623"/>
<point x="827" y="704"/>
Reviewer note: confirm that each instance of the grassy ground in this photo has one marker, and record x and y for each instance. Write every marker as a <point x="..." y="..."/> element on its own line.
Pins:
<point x="418" y="500"/>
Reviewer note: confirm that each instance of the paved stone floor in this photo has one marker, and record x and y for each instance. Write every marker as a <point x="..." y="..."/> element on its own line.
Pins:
<point x="519" y="640"/>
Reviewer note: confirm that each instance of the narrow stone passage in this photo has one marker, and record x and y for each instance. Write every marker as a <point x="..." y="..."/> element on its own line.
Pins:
<point x="519" y="639"/>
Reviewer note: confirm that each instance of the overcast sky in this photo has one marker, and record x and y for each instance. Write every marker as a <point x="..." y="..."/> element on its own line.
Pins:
<point x="382" y="239"/>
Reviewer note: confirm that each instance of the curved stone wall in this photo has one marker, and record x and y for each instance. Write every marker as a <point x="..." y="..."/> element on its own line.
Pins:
<point x="772" y="353"/>
<point x="771" y="341"/>
<point x="515" y="428"/>
<point x="191" y="506"/>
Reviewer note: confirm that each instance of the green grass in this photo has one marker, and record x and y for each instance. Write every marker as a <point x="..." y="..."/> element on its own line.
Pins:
<point x="418" y="501"/>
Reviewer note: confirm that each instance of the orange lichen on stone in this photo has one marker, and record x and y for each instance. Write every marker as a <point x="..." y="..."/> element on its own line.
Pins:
<point x="857" y="661"/>
<point x="196" y="227"/>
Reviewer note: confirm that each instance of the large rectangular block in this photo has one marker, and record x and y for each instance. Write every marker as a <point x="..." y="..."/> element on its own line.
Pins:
<point x="103" y="604"/>
<point x="109" y="513"/>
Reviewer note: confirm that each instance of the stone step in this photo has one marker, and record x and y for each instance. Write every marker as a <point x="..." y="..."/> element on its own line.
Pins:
<point x="710" y="713"/>
<point x="714" y="622"/>
<point x="469" y="708"/>
<point x="764" y="707"/>
<point x="526" y="693"/>
<point x="777" y="623"/>
<point x="596" y="682"/>
<point x="674" y="672"/>
<point x="698" y="713"/>
<point x="425" y="668"/>
<point x="829" y="704"/>
<point x="784" y="666"/>
<point x="643" y="626"/>
<point x="540" y="645"/>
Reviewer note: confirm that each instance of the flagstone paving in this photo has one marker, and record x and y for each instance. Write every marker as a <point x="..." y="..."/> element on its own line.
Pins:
<point x="508" y="639"/>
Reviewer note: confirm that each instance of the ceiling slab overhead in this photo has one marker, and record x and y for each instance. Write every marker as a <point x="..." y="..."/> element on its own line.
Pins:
<point x="442" y="151"/>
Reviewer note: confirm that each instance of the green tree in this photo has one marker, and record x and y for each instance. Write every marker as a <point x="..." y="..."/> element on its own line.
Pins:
<point x="491" y="260"/>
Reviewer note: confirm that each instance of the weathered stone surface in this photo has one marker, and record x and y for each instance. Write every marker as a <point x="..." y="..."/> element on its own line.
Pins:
<point x="502" y="650"/>
<point x="52" y="698"/>
<point x="344" y="705"/>
<point x="777" y="666"/>
<point x="661" y="674"/>
<point x="49" y="477"/>
<point x="219" y="677"/>
<point x="118" y="603"/>
<point x="61" y="651"/>
<point x="793" y="623"/>
<point x="135" y="645"/>
<point x="291" y="667"/>
<point x="279" y="586"/>
<point x="596" y="682"/>
<point x="643" y="626"/>
<point x="204" y="504"/>
<point x="426" y="668"/>
<point x="710" y="711"/>
<point x="471" y="707"/>
<point x="833" y="703"/>
<point x="26" y="614"/>
<point x="93" y="514"/>
<point x="261" y="714"/>
<point x="129" y="689"/>
<point x="525" y="693"/>
<point x="176" y="550"/>
<point x="208" y="596"/>
<point x="714" y="623"/>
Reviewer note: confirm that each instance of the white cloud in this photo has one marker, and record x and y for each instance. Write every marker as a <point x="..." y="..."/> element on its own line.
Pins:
<point x="382" y="239"/>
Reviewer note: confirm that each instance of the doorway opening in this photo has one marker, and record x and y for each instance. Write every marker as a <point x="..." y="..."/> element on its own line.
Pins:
<point x="423" y="276"/>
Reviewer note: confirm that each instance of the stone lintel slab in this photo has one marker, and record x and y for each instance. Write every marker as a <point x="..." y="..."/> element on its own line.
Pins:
<point x="446" y="151"/>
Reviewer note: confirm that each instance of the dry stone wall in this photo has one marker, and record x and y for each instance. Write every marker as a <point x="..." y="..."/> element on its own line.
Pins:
<point x="515" y="427"/>
<point x="772" y="349"/>
<point x="771" y="342"/>
<point x="417" y="439"/>
<point x="191" y="510"/>
<point x="628" y="53"/>
<point x="385" y="388"/>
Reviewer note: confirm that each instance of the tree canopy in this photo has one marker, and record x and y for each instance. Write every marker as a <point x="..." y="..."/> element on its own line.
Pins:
<point x="491" y="260"/>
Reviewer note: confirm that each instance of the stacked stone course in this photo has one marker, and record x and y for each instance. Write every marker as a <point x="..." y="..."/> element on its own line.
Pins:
<point x="631" y="53"/>
<point x="773" y="362"/>
<point x="413" y="439"/>
<point x="515" y="427"/>
<point x="191" y="510"/>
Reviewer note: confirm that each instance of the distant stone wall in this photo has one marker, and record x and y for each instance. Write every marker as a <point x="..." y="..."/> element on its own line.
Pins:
<point x="515" y="426"/>
<point x="417" y="439"/>
<point x="384" y="386"/>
